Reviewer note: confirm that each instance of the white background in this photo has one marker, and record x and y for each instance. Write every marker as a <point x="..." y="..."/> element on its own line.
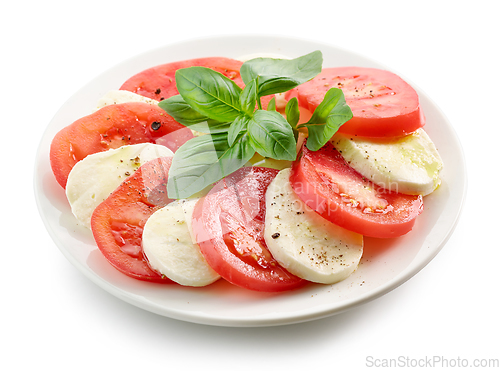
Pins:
<point x="51" y="315"/>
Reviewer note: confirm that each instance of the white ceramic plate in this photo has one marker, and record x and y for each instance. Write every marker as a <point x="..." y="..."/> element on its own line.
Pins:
<point x="386" y="264"/>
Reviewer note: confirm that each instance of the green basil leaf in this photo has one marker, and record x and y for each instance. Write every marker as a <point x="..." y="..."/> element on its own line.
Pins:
<point x="292" y="112"/>
<point x="203" y="161"/>
<point x="182" y="112"/>
<point x="248" y="97"/>
<point x="237" y="126"/>
<point x="280" y="75"/>
<point x="272" y="104"/>
<point x="272" y="136"/>
<point x="327" y="118"/>
<point x="209" y="92"/>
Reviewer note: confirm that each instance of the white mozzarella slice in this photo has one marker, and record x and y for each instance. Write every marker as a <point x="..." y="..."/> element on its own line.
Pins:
<point x="93" y="179"/>
<point x="258" y="160"/>
<point x="409" y="165"/>
<point x="280" y="99"/>
<point x="168" y="245"/>
<point x="188" y="208"/>
<point x="305" y="243"/>
<point x="122" y="96"/>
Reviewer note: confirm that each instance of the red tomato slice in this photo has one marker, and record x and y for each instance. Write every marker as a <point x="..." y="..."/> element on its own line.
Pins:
<point x="228" y="224"/>
<point x="327" y="184"/>
<point x="117" y="223"/>
<point x="111" y="127"/>
<point x="383" y="104"/>
<point x="159" y="82"/>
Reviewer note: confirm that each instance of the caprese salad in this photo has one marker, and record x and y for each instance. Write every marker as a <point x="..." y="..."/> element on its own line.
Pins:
<point x="264" y="172"/>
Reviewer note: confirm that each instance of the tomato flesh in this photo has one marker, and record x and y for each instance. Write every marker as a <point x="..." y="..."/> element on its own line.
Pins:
<point x="159" y="82"/>
<point x="111" y="127"/>
<point x="228" y="224"/>
<point x="117" y="223"/>
<point x="327" y="184"/>
<point x="383" y="104"/>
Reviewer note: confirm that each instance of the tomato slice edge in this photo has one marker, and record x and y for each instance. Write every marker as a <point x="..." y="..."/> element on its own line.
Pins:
<point x="226" y="263"/>
<point x="128" y="208"/>
<point x="383" y="104"/>
<point x="396" y="222"/>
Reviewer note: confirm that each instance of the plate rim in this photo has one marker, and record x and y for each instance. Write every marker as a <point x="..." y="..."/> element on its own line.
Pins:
<point x="256" y="321"/>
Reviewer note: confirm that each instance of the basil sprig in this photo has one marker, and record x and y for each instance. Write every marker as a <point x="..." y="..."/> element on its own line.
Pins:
<point x="280" y="75"/>
<point x="234" y="124"/>
<point x="327" y="118"/>
<point x="207" y="159"/>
